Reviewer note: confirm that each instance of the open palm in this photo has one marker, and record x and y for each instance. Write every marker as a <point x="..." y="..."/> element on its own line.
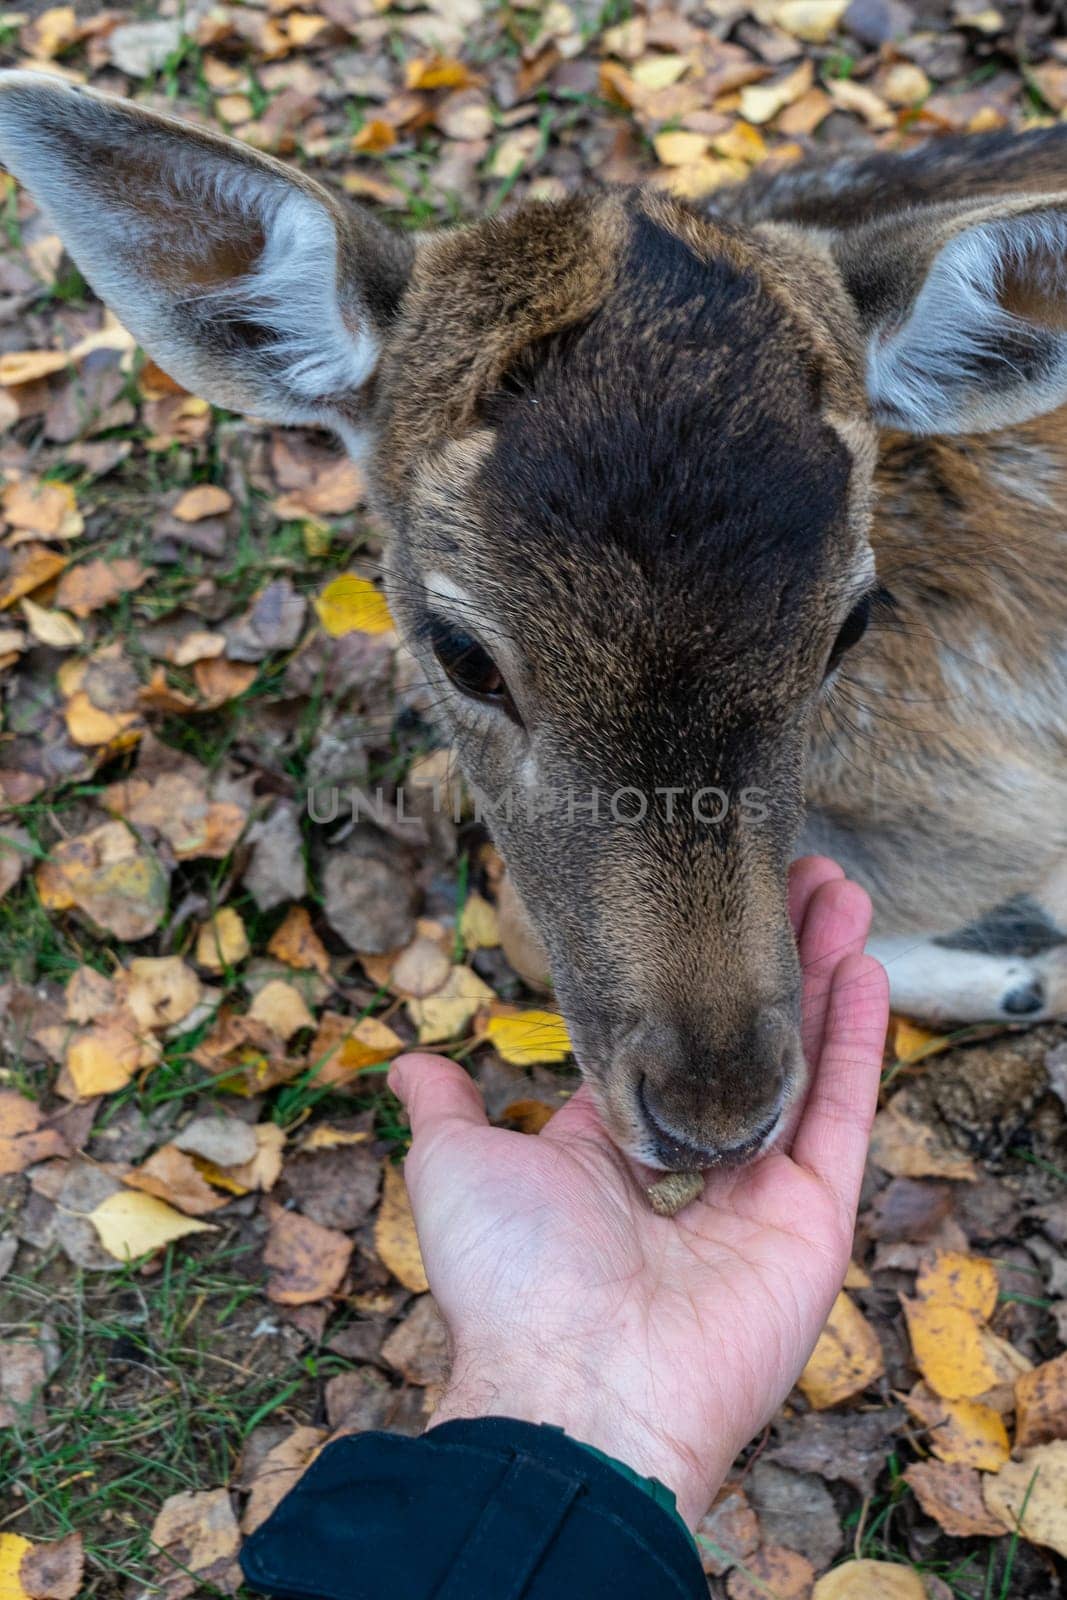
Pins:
<point x="666" y="1342"/>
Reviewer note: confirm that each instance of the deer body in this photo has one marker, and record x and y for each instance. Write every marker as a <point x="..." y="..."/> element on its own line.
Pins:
<point x="766" y="504"/>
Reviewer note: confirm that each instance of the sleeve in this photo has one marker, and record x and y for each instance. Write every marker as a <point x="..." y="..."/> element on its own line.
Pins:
<point x="488" y="1509"/>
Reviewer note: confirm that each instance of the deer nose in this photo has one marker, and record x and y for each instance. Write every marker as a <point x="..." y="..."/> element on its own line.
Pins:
<point x="710" y="1095"/>
<point x="678" y="1154"/>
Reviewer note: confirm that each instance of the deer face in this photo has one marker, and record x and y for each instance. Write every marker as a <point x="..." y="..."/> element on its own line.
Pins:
<point x="627" y="577"/>
<point x="626" y="452"/>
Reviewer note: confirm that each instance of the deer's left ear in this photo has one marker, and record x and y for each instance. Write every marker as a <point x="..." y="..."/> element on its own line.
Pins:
<point x="246" y="281"/>
<point x="966" y="314"/>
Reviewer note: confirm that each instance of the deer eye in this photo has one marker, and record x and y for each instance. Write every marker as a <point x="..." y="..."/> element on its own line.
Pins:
<point x="469" y="665"/>
<point x="852" y="630"/>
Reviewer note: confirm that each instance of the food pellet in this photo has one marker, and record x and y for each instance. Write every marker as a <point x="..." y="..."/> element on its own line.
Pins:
<point x="669" y="1195"/>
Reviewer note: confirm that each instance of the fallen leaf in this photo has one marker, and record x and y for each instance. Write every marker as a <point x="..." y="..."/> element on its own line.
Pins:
<point x="222" y="942"/>
<point x="51" y="1571"/>
<point x="32" y="566"/>
<point x="24" y="366"/>
<point x="283" y="1008"/>
<point x="42" y="507"/>
<point x="907" y="1148"/>
<point x="103" y="1057"/>
<point x="529" y="1037"/>
<point x="421" y="968"/>
<point x="478" y="927"/>
<point x="417" y="1347"/>
<point x="53" y="628"/>
<point x="13" y="1548"/>
<point x="278" y="1472"/>
<point x="395" y="1238"/>
<point x="296" y="943"/>
<point x="25" y="1137"/>
<point x="132" y="1225"/>
<point x="218" y="679"/>
<point x="762" y="102"/>
<point x="958" y="1280"/>
<point x="17" y="850"/>
<point x="88" y="725"/>
<point x="160" y="990"/>
<point x="309" y="1261"/>
<point x="173" y="1176"/>
<point x="952" y="1496"/>
<point x="1039" y="1481"/>
<point x="852" y="96"/>
<point x="350" y="604"/>
<point x="438" y="72"/>
<point x="110" y="875"/>
<point x="679" y="148"/>
<point x="947" y="1345"/>
<point x="92" y="584"/>
<point x="1041" y="1404"/>
<point x="727" y="1534"/>
<point x="264" y="1168"/>
<point x="814" y="21"/>
<point x="198" y="1539"/>
<point x="846" y="1360"/>
<point x="870" y="1580"/>
<point x="963" y="1433"/>
<point x="224" y="1140"/>
<point x="176" y="805"/>
<point x="771" y="1570"/>
<point x="445" y="1014"/>
<point x="203" y="500"/>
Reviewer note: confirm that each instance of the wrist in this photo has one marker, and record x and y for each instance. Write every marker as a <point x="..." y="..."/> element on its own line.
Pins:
<point x="591" y="1412"/>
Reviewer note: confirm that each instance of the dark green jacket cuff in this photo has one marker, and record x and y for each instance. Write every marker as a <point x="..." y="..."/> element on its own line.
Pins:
<point x="490" y="1509"/>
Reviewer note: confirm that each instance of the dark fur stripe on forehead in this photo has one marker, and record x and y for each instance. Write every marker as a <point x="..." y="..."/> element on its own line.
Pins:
<point x="678" y="423"/>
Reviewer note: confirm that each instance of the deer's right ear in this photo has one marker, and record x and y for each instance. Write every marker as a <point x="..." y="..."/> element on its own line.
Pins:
<point x="965" y="312"/>
<point x="246" y="281"/>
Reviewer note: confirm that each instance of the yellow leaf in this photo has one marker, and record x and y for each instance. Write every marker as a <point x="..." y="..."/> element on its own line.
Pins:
<point x="222" y="942"/>
<point x="23" y="366"/>
<point x="814" y="21"/>
<point x="103" y="1059"/>
<point x="203" y="500"/>
<point x="478" y="925"/>
<point x="132" y="1224"/>
<point x="445" y="1014"/>
<point x="32" y="566"/>
<point x="530" y="1037"/>
<point x="88" y="725"/>
<point x="760" y="102"/>
<point x="962" y="1433"/>
<point x="53" y="628"/>
<point x="659" y="71"/>
<point x="44" y="508"/>
<point x="12" y="1549"/>
<point x="1039" y="1481"/>
<point x="680" y="149"/>
<point x="946" y="1341"/>
<point x="438" y="72"/>
<point x="395" y="1238"/>
<point x="870" y="1580"/>
<point x="296" y="943"/>
<point x="912" y="1043"/>
<point x="351" y="604"/>
<point x="282" y="1007"/>
<point x="160" y="990"/>
<point x="846" y="1360"/>
<point x="375" y="137"/>
<point x="958" y="1280"/>
<point x="1041" y="1404"/>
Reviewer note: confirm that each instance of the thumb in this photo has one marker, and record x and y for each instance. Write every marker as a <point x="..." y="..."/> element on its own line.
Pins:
<point x="434" y="1091"/>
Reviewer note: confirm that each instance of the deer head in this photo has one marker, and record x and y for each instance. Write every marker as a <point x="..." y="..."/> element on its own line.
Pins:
<point x="626" y="454"/>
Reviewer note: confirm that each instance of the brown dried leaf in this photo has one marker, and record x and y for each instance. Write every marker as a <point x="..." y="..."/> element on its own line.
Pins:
<point x="92" y="584"/>
<point x="203" y="500"/>
<point x="279" y="1471"/>
<point x="310" y="1261"/>
<point x="1038" y="1481"/>
<point x="773" y="1570"/>
<point x="174" y="1177"/>
<point x="54" y="1571"/>
<point x="963" y="1433"/>
<point x="110" y="875"/>
<point x="25" y="1137"/>
<point x="296" y="943"/>
<point x="198" y="1540"/>
<point x="32" y="565"/>
<point x="906" y="1148"/>
<point x="952" y="1495"/>
<point x="1041" y="1404"/>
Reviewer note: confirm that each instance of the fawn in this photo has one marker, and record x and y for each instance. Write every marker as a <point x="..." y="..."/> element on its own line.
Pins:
<point x="737" y="531"/>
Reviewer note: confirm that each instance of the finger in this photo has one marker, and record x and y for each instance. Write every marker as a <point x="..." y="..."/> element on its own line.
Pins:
<point x="434" y="1091"/>
<point x="578" y="1118"/>
<point x="836" y="923"/>
<point x="807" y="874"/>
<point x="831" y="1141"/>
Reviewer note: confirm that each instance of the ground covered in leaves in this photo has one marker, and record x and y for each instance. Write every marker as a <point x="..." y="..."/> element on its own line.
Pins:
<point x="207" y="1260"/>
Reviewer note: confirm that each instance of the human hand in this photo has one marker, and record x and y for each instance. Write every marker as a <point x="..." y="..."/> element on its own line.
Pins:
<point x="665" y="1342"/>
